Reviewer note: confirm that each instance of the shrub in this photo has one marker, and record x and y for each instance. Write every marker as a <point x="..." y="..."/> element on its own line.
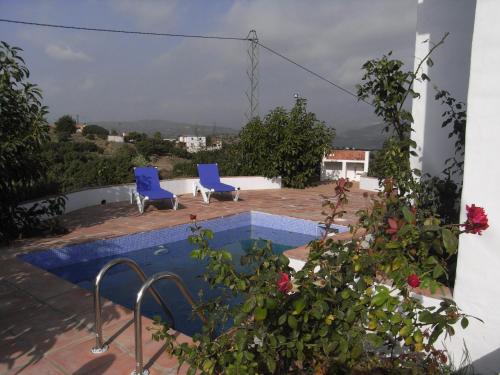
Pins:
<point x="350" y="309"/>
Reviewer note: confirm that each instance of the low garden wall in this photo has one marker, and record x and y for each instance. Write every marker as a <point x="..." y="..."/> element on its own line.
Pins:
<point x="118" y="193"/>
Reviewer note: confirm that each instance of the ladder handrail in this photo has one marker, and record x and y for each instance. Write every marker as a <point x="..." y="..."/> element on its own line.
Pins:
<point x="139" y="366"/>
<point x="100" y="346"/>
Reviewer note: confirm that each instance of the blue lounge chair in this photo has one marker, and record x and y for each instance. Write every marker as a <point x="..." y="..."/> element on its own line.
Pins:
<point x="210" y="183"/>
<point x="148" y="188"/>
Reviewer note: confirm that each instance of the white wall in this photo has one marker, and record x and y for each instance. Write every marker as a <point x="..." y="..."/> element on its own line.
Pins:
<point x="119" y="193"/>
<point x="369" y="183"/>
<point x="477" y="288"/>
<point x="450" y="72"/>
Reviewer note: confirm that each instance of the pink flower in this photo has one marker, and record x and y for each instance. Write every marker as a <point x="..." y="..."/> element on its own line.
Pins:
<point x="477" y="221"/>
<point x="393" y="227"/>
<point x="413" y="280"/>
<point x="342" y="185"/>
<point x="284" y="284"/>
<point x="192" y="217"/>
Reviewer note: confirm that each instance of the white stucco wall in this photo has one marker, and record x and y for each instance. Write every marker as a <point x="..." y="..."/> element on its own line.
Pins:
<point x="369" y="183"/>
<point x="477" y="288"/>
<point x="119" y="193"/>
<point x="449" y="72"/>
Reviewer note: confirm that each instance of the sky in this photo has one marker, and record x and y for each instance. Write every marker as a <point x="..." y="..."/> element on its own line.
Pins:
<point x="117" y="77"/>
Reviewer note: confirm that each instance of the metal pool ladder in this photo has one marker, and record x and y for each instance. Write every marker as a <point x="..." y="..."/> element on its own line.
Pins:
<point x="147" y="286"/>
<point x="100" y="346"/>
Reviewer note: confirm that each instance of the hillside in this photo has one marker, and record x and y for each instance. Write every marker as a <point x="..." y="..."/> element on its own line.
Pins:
<point x="168" y="129"/>
<point x="369" y="137"/>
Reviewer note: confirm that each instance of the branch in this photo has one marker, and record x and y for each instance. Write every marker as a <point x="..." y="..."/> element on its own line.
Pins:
<point x="419" y="66"/>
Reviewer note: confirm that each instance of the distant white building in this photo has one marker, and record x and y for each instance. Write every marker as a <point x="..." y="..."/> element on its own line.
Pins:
<point x="216" y="144"/>
<point x="349" y="164"/>
<point x="79" y="127"/>
<point x="116" y="138"/>
<point x="194" y="144"/>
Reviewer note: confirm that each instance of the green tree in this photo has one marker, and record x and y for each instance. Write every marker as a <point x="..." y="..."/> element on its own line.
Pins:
<point x="23" y="131"/>
<point x="287" y="144"/>
<point x="154" y="146"/>
<point x="97" y="130"/>
<point x="134" y="137"/>
<point x="65" y="126"/>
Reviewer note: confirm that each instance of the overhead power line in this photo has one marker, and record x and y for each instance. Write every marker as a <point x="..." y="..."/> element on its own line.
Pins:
<point x="195" y="36"/>
<point x="310" y="71"/>
<point x="121" y="31"/>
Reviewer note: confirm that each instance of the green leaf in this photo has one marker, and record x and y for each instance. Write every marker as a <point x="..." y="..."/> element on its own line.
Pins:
<point x="437" y="271"/>
<point x="450" y="241"/>
<point x="298" y="306"/>
<point x="282" y="319"/>
<point x="405" y="331"/>
<point x="345" y="294"/>
<point x="408" y="215"/>
<point x="375" y="340"/>
<point x="464" y="322"/>
<point x="292" y="322"/>
<point x="271" y="364"/>
<point x="260" y="313"/>
<point x="379" y="299"/>
<point x="249" y="304"/>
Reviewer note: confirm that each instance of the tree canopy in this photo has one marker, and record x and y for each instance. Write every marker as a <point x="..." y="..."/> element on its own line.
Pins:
<point x="65" y="126"/>
<point x="97" y="130"/>
<point x="23" y="131"/>
<point x="290" y="144"/>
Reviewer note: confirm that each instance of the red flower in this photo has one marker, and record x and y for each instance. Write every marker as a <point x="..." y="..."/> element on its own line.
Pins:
<point x="284" y="284"/>
<point x="477" y="221"/>
<point x="192" y="217"/>
<point x="413" y="280"/>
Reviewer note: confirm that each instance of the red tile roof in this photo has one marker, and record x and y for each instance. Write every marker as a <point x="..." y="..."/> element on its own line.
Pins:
<point x="346" y="155"/>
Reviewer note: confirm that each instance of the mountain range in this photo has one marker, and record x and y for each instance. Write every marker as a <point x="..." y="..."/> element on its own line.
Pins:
<point x="168" y="129"/>
<point x="370" y="137"/>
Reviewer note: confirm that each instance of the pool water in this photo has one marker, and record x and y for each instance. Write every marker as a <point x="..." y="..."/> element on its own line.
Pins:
<point x="121" y="284"/>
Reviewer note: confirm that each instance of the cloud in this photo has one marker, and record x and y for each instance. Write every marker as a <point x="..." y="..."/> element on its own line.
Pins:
<point x="147" y="13"/>
<point x="88" y="83"/>
<point x="66" y="53"/>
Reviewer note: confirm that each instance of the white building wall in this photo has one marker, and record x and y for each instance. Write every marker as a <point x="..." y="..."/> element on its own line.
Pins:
<point x="467" y="65"/>
<point x="477" y="288"/>
<point x="449" y="72"/>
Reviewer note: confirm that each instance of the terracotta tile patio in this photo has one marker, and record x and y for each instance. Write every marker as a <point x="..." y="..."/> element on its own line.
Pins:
<point x="46" y="323"/>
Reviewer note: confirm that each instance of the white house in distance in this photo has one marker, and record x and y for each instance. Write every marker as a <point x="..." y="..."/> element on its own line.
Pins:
<point x="349" y="164"/>
<point x="116" y="138"/>
<point x="194" y="144"/>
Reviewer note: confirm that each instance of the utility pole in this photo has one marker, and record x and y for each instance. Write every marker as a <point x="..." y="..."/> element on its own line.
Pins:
<point x="253" y="75"/>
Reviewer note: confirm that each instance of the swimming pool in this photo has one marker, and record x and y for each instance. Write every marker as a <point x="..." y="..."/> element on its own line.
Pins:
<point x="168" y="250"/>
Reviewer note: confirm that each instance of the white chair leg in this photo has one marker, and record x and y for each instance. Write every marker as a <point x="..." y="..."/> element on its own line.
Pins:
<point x="132" y="196"/>
<point x="237" y="195"/>
<point x="206" y="195"/>
<point x="175" y="202"/>
<point x="195" y="189"/>
<point x="140" y="203"/>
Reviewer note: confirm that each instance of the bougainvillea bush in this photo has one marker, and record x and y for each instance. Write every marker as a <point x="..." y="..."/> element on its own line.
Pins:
<point x="351" y="309"/>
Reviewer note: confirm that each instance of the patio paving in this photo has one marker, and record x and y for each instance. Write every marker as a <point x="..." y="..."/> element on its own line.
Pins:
<point x="46" y="323"/>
